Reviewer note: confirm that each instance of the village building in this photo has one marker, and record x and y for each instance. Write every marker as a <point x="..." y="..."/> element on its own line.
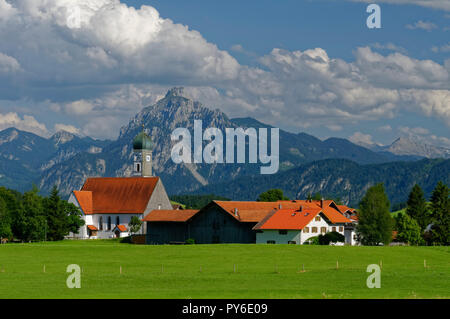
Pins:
<point x="217" y="222"/>
<point x="108" y="204"/>
<point x="309" y="219"/>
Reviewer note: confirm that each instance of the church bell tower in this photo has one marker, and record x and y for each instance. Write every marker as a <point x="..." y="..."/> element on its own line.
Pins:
<point x="142" y="149"/>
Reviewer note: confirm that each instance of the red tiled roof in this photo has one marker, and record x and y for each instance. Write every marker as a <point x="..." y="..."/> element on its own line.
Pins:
<point x="297" y="219"/>
<point x="92" y="227"/>
<point x="119" y="195"/>
<point x="253" y="211"/>
<point x="334" y="215"/>
<point x="121" y="228"/>
<point x="343" y="209"/>
<point x="84" y="198"/>
<point x="176" y="215"/>
<point x="288" y="219"/>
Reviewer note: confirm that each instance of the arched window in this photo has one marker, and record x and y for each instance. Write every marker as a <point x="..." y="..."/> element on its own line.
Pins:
<point x="100" y="223"/>
<point x="109" y="222"/>
<point x="117" y="220"/>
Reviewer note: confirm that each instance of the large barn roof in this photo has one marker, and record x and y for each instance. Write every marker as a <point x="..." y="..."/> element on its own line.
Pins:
<point x="116" y="195"/>
<point x="160" y="215"/>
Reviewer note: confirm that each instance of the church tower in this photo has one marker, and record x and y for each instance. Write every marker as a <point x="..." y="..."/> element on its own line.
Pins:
<point x="142" y="148"/>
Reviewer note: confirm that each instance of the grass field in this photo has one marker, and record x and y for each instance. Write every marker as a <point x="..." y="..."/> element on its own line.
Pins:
<point x="197" y="271"/>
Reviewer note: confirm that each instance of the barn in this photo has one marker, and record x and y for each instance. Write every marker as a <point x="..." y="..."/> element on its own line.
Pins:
<point x="217" y="222"/>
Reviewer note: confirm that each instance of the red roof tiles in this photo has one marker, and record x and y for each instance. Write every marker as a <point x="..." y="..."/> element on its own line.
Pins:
<point x="92" y="227"/>
<point x="170" y="215"/>
<point x="121" y="228"/>
<point x="116" y="195"/>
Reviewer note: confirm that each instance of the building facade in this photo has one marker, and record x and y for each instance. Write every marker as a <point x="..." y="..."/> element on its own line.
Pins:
<point x="108" y="204"/>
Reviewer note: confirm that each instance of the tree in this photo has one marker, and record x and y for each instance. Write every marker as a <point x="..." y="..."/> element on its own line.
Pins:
<point x="416" y="207"/>
<point x="408" y="229"/>
<point x="32" y="220"/>
<point x="13" y="202"/>
<point x="440" y="215"/>
<point x="272" y="195"/>
<point x="5" y="220"/>
<point x="374" y="219"/>
<point x="74" y="218"/>
<point x="57" y="219"/>
<point x="135" y="224"/>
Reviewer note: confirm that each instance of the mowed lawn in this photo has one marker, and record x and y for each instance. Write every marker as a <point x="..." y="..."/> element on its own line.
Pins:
<point x="221" y="271"/>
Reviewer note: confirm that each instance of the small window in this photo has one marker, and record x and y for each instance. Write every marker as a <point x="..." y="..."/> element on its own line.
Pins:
<point x="292" y="242"/>
<point x="341" y="229"/>
<point x="271" y="241"/>
<point x="109" y="222"/>
<point x="117" y="220"/>
<point x="282" y="232"/>
<point x="159" y="206"/>
<point x="314" y="230"/>
<point x="323" y="230"/>
<point x="317" y="219"/>
<point x="333" y="228"/>
<point x="100" y="223"/>
<point x="306" y="230"/>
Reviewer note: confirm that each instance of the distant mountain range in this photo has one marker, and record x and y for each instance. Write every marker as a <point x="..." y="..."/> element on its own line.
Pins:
<point x="66" y="160"/>
<point x="338" y="178"/>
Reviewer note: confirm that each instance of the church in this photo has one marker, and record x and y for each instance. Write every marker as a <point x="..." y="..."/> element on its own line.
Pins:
<point x="107" y="204"/>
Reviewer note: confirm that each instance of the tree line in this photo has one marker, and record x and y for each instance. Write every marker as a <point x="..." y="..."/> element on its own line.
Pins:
<point x="422" y="223"/>
<point x="32" y="217"/>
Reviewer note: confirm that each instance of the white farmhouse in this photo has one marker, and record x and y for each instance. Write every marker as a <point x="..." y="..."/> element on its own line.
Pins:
<point x="312" y="218"/>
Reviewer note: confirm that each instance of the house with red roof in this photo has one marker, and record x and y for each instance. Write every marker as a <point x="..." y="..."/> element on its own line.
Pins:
<point x="107" y="204"/>
<point x="309" y="219"/>
<point x="247" y="222"/>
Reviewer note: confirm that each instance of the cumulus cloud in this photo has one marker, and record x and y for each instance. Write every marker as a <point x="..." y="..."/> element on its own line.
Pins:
<point x="423" y="25"/>
<point x="101" y="61"/>
<point x="66" y="127"/>
<point x="26" y="123"/>
<point x="362" y="139"/>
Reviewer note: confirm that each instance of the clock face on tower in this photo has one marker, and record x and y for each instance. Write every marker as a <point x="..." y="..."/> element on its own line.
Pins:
<point x="147" y="158"/>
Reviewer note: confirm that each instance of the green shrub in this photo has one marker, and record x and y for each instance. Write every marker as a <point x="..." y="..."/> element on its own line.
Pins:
<point x="190" y="241"/>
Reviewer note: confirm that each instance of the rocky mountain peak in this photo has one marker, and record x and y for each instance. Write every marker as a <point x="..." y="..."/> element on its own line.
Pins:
<point x="176" y="91"/>
<point x="62" y="137"/>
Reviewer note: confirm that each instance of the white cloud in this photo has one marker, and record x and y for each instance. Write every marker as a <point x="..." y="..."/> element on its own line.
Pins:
<point x="27" y="123"/>
<point x="361" y="139"/>
<point x="423" y="25"/>
<point x="385" y="128"/>
<point x="68" y="128"/>
<point x="118" y="59"/>
<point x="445" y="48"/>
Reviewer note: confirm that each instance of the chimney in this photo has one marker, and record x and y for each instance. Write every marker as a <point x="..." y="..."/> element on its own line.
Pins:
<point x="279" y="206"/>
<point x="321" y="202"/>
<point x="235" y="211"/>
<point x="301" y="208"/>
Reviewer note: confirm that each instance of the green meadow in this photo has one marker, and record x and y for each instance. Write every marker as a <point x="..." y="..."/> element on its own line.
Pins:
<point x="221" y="271"/>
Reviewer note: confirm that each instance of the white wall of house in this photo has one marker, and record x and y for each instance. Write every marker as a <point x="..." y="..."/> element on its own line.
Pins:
<point x="280" y="238"/>
<point x="319" y="224"/>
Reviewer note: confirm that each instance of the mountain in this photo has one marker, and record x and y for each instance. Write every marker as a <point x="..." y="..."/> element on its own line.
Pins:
<point x="408" y="148"/>
<point x="413" y="147"/>
<point x="66" y="160"/>
<point x="338" y="178"/>
<point x="177" y="111"/>
<point x="24" y="156"/>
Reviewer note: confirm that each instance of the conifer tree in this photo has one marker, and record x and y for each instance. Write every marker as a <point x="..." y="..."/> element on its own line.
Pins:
<point x="440" y="215"/>
<point x="417" y="207"/>
<point x="375" y="222"/>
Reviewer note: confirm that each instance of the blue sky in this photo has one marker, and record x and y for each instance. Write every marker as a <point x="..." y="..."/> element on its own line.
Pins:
<point x="332" y="76"/>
